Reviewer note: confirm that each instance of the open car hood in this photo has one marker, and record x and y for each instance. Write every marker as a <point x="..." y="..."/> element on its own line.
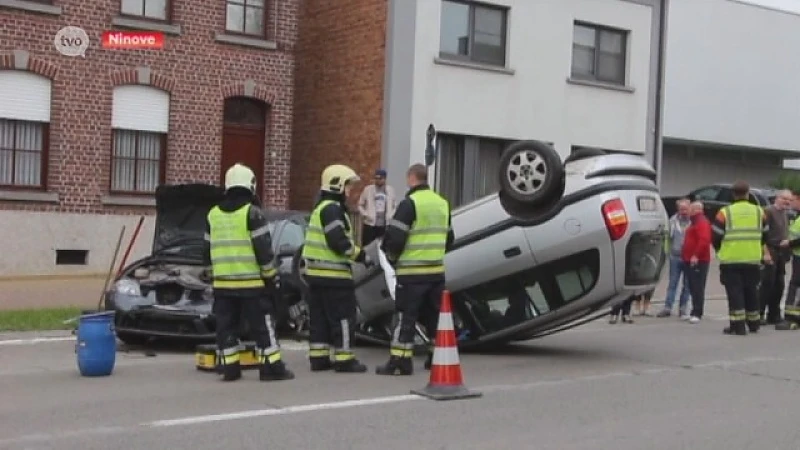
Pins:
<point x="181" y="212"/>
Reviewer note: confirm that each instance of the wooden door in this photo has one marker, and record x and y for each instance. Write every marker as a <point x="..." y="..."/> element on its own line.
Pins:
<point x="244" y="136"/>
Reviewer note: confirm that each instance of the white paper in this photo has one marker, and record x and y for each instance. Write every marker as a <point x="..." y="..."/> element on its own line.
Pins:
<point x="388" y="272"/>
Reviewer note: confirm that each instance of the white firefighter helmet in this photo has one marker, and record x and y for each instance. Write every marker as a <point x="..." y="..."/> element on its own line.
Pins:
<point x="336" y="176"/>
<point x="240" y="175"/>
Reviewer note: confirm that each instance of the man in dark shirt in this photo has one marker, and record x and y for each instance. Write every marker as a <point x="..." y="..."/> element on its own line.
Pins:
<point x="774" y="273"/>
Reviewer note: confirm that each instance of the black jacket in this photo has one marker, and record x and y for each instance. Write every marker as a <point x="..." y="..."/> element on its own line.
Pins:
<point x="262" y="245"/>
<point x="394" y="239"/>
<point x="333" y="218"/>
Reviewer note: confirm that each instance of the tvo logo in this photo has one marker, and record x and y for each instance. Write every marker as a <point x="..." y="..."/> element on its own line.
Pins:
<point x="72" y="41"/>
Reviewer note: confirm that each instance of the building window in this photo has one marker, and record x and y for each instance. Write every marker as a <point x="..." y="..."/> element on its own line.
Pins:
<point x="467" y="167"/>
<point x="599" y="53"/>
<point x="23" y="153"/>
<point x="473" y="32"/>
<point x="147" y="9"/>
<point x="246" y="17"/>
<point x="137" y="164"/>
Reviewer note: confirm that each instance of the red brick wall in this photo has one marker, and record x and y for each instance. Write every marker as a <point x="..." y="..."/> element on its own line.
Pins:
<point x="338" y="91"/>
<point x="197" y="71"/>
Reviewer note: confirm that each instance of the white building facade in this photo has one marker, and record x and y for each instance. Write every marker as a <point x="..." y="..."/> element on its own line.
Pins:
<point x="576" y="73"/>
<point x="732" y="100"/>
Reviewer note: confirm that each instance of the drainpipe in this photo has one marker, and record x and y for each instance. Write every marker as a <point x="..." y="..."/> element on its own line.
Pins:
<point x="662" y="56"/>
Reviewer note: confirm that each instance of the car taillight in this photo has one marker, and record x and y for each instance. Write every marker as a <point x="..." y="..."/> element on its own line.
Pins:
<point x="616" y="218"/>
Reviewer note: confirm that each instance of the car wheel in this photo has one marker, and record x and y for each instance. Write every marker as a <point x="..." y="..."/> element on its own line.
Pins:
<point x="298" y="268"/>
<point x="583" y="153"/>
<point x="531" y="173"/>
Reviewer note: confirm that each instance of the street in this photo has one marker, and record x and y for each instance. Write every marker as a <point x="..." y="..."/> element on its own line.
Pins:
<point x="655" y="384"/>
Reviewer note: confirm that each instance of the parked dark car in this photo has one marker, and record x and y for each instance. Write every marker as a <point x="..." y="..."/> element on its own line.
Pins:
<point x="167" y="294"/>
<point x="715" y="196"/>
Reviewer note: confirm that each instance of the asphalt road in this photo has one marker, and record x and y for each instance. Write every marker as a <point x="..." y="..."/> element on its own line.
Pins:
<point x="655" y="384"/>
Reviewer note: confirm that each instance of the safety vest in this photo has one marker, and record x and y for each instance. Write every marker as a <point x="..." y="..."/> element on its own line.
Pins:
<point x="794" y="233"/>
<point x="425" y="246"/>
<point x="321" y="261"/>
<point x="743" y="229"/>
<point x="233" y="261"/>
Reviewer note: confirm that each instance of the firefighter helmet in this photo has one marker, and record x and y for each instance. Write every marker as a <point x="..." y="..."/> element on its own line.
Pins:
<point x="336" y="176"/>
<point x="240" y="175"/>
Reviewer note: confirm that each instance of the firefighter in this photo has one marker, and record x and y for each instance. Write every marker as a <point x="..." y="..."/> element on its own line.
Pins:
<point x="791" y="313"/>
<point x="740" y="233"/>
<point x="416" y="240"/>
<point x="329" y="250"/>
<point x="239" y="252"/>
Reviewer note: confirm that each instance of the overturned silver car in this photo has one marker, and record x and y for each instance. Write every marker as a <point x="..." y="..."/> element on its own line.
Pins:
<point x="557" y="247"/>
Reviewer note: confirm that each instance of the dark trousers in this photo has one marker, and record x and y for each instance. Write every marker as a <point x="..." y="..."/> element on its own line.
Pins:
<point x="773" y="279"/>
<point x="257" y="310"/>
<point x="741" y="287"/>
<point x="624" y="308"/>
<point x="696" y="276"/>
<point x="792" y="310"/>
<point x="332" y="321"/>
<point x="370" y="233"/>
<point x="416" y="302"/>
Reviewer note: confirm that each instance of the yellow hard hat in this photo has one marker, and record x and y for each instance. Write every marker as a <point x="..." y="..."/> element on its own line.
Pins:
<point x="336" y="176"/>
<point x="240" y="175"/>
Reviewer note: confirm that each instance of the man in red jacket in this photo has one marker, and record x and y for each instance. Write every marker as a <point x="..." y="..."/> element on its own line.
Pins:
<point x="696" y="254"/>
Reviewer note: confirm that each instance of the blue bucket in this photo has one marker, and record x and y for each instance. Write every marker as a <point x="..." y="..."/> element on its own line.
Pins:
<point x="96" y="346"/>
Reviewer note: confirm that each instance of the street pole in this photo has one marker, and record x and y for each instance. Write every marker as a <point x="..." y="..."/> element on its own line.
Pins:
<point x="430" y="151"/>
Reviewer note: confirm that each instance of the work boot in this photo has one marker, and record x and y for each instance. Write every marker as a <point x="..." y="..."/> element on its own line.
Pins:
<point x="428" y="361"/>
<point x="275" y="372"/>
<point x="753" y="325"/>
<point x="231" y="372"/>
<point x="319" y="364"/>
<point x="349" y="366"/>
<point x="736" y="328"/>
<point x="786" y="325"/>
<point x="396" y="366"/>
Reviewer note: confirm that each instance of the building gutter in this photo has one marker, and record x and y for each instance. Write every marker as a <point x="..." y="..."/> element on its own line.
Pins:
<point x="660" y="71"/>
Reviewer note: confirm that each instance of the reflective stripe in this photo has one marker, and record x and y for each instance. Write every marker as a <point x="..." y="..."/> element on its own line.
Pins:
<point x="321" y="261"/>
<point x="345" y="335"/>
<point x="716" y="228"/>
<point x="737" y="315"/>
<point x="207" y="236"/>
<point x="260" y="231"/>
<point x="228" y="356"/>
<point x="399" y="225"/>
<point x="341" y="356"/>
<point x="445" y="356"/>
<point x="753" y="316"/>
<point x="445" y="322"/>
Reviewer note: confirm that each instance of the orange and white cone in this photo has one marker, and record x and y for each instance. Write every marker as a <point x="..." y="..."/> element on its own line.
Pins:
<point x="446" y="381"/>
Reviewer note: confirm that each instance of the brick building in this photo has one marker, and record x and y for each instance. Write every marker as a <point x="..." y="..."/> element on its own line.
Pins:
<point x="84" y="141"/>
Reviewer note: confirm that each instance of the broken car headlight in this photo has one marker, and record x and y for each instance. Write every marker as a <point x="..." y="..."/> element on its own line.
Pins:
<point x="126" y="286"/>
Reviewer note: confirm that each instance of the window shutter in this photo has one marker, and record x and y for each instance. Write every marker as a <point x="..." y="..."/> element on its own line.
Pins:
<point x="141" y="108"/>
<point x="24" y="96"/>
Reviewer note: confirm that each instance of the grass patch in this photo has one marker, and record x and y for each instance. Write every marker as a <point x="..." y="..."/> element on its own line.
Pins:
<point x="38" y="319"/>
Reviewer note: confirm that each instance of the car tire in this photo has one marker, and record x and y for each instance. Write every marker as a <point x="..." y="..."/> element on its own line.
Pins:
<point x="531" y="173"/>
<point x="583" y="153"/>
<point x="297" y="265"/>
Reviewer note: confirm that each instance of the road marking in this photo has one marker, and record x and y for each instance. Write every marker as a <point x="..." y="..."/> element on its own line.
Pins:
<point x="281" y="411"/>
<point x="36" y="340"/>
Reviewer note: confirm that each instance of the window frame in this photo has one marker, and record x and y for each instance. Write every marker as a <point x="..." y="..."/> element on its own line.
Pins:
<point x="470" y="148"/>
<point x="599" y="30"/>
<point x="469" y="58"/>
<point x="45" y="159"/>
<point x="243" y="4"/>
<point x="167" y="20"/>
<point x="162" y="164"/>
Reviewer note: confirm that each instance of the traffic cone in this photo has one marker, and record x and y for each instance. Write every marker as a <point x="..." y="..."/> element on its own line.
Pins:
<point x="446" y="381"/>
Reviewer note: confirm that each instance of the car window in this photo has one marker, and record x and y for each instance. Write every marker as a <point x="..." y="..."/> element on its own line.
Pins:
<point x="725" y="195"/>
<point x="504" y="302"/>
<point x="706" y="194"/>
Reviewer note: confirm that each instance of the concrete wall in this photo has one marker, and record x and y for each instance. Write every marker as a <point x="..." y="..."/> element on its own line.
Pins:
<point x="731" y="74"/>
<point x="532" y="98"/>
<point x="30" y="241"/>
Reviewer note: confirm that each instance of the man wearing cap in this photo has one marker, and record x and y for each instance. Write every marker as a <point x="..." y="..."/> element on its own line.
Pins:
<point x="377" y="202"/>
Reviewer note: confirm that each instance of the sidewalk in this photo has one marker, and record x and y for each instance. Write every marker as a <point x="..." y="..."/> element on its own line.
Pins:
<point x="85" y="292"/>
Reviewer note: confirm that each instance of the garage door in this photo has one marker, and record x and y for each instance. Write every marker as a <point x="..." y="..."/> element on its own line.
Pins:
<point x="140" y="108"/>
<point x="24" y="96"/>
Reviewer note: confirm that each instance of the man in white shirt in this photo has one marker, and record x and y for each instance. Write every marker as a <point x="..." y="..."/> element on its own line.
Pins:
<point x="376" y="206"/>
